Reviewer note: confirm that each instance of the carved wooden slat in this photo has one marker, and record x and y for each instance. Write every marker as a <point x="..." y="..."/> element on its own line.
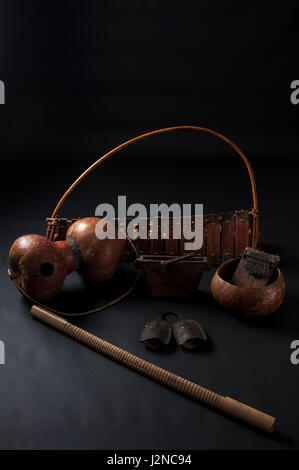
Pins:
<point x="213" y="238"/>
<point x="227" y="236"/>
<point x="241" y="231"/>
<point x="171" y="245"/>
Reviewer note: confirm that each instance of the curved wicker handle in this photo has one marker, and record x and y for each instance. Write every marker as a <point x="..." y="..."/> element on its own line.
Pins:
<point x="161" y="131"/>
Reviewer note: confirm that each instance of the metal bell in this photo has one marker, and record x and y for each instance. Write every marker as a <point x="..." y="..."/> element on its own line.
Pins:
<point x="188" y="333"/>
<point x="156" y="333"/>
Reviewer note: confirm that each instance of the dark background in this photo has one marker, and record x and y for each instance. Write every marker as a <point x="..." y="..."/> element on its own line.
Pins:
<point x="82" y="77"/>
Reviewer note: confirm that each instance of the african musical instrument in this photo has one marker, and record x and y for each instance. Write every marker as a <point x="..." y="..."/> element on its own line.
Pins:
<point x="221" y="403"/>
<point x="39" y="264"/>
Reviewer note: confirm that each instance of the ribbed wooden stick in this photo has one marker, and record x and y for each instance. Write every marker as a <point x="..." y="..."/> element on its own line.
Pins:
<point x="225" y="404"/>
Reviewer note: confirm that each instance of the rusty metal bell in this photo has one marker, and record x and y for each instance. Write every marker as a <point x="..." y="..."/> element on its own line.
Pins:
<point x="156" y="333"/>
<point x="188" y="333"/>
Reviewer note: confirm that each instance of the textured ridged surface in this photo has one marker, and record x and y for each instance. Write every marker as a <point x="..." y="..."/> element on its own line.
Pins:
<point x="144" y="367"/>
<point x="225" y="404"/>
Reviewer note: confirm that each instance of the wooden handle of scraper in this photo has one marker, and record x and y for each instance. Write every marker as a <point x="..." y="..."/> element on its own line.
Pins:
<point x="225" y="404"/>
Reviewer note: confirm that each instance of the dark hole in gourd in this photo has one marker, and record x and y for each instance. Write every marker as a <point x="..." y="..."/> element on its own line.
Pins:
<point x="46" y="269"/>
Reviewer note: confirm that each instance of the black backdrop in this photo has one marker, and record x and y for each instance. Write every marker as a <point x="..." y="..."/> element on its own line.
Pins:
<point x="81" y="77"/>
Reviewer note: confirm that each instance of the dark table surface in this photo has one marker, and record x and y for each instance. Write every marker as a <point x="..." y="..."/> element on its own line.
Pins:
<point x="58" y="394"/>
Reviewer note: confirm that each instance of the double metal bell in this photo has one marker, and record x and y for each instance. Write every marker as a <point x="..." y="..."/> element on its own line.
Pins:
<point x="188" y="333"/>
